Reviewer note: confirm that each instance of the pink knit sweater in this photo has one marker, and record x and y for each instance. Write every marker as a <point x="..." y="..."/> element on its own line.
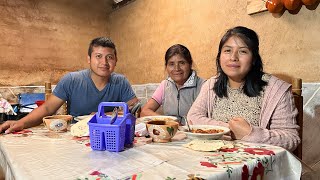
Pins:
<point x="277" y="125"/>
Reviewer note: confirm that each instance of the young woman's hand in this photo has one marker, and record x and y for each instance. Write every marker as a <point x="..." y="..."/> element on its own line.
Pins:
<point x="239" y="128"/>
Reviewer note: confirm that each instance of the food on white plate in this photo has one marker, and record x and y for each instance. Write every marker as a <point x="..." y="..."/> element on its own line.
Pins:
<point x="208" y="145"/>
<point x="207" y="131"/>
<point x="145" y="119"/>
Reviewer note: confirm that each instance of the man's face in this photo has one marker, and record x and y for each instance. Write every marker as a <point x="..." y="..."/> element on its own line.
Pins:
<point x="102" y="61"/>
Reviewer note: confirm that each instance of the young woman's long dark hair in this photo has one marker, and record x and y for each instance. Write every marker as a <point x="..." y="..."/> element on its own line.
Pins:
<point x="253" y="81"/>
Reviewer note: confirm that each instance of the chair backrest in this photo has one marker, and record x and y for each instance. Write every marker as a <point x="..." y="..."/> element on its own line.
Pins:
<point x="298" y="100"/>
<point x="136" y="109"/>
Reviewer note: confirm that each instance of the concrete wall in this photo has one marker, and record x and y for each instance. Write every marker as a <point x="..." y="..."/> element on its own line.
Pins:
<point x="144" y="29"/>
<point x="43" y="39"/>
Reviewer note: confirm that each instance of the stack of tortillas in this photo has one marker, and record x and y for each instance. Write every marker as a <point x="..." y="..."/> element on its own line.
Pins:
<point x="208" y="145"/>
<point x="81" y="128"/>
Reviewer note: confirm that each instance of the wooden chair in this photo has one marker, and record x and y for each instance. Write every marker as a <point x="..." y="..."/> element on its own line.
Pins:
<point x="136" y="109"/>
<point x="298" y="100"/>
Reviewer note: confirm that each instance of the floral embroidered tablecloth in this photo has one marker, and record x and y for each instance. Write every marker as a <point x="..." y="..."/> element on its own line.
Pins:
<point x="38" y="154"/>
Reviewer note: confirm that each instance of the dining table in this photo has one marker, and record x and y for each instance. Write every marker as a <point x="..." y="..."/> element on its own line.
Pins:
<point x="37" y="153"/>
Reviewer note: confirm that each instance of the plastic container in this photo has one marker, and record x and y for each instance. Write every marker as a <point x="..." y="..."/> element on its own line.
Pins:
<point x="39" y="103"/>
<point x="130" y="129"/>
<point x="111" y="137"/>
<point x="106" y="136"/>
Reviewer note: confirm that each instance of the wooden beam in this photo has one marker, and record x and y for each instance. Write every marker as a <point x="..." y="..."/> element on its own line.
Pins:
<point x="256" y="6"/>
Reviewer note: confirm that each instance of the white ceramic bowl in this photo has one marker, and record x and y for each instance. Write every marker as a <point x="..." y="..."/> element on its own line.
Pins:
<point x="206" y="136"/>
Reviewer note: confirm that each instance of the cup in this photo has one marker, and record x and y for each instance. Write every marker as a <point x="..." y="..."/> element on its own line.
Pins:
<point x="161" y="130"/>
<point x="58" y="123"/>
<point x="141" y="130"/>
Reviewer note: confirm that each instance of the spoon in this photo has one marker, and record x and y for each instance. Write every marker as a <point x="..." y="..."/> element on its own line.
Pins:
<point x="114" y="115"/>
<point x="185" y="119"/>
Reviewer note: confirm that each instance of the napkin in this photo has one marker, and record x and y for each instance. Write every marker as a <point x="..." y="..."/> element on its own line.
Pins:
<point x="5" y="107"/>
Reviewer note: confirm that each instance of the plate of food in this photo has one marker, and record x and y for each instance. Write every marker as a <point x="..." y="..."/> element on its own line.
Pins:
<point x="84" y="117"/>
<point x="208" y="145"/>
<point x="206" y="132"/>
<point x="145" y="119"/>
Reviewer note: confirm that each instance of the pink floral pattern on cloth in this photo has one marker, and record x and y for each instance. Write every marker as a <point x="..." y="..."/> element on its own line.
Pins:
<point x="97" y="175"/>
<point x="24" y="131"/>
<point x="242" y="155"/>
<point x="169" y="161"/>
<point x="259" y="151"/>
<point x="82" y="140"/>
<point x="255" y="163"/>
<point x="258" y="172"/>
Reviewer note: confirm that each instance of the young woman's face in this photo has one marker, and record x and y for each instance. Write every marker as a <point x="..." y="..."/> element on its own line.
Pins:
<point x="235" y="59"/>
<point x="102" y="61"/>
<point x="178" y="69"/>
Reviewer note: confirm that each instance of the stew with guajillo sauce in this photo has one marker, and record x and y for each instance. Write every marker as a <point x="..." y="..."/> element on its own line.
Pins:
<point x="207" y="131"/>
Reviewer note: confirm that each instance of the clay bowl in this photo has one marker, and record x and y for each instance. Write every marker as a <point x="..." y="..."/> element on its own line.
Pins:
<point x="58" y="123"/>
<point x="161" y="130"/>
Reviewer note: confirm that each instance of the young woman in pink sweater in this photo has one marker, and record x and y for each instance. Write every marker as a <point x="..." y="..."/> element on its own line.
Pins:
<point x="256" y="106"/>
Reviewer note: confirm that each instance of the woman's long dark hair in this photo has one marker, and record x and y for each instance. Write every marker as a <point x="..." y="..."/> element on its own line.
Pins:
<point x="253" y="84"/>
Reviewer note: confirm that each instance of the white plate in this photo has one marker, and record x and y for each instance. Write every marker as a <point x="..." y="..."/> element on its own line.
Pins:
<point x="145" y="119"/>
<point x="191" y="135"/>
<point x="80" y="118"/>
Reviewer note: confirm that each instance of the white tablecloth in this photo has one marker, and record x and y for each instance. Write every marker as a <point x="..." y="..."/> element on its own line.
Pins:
<point x="38" y="154"/>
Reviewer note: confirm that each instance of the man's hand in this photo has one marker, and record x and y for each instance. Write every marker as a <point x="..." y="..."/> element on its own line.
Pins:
<point x="239" y="128"/>
<point x="11" y="126"/>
